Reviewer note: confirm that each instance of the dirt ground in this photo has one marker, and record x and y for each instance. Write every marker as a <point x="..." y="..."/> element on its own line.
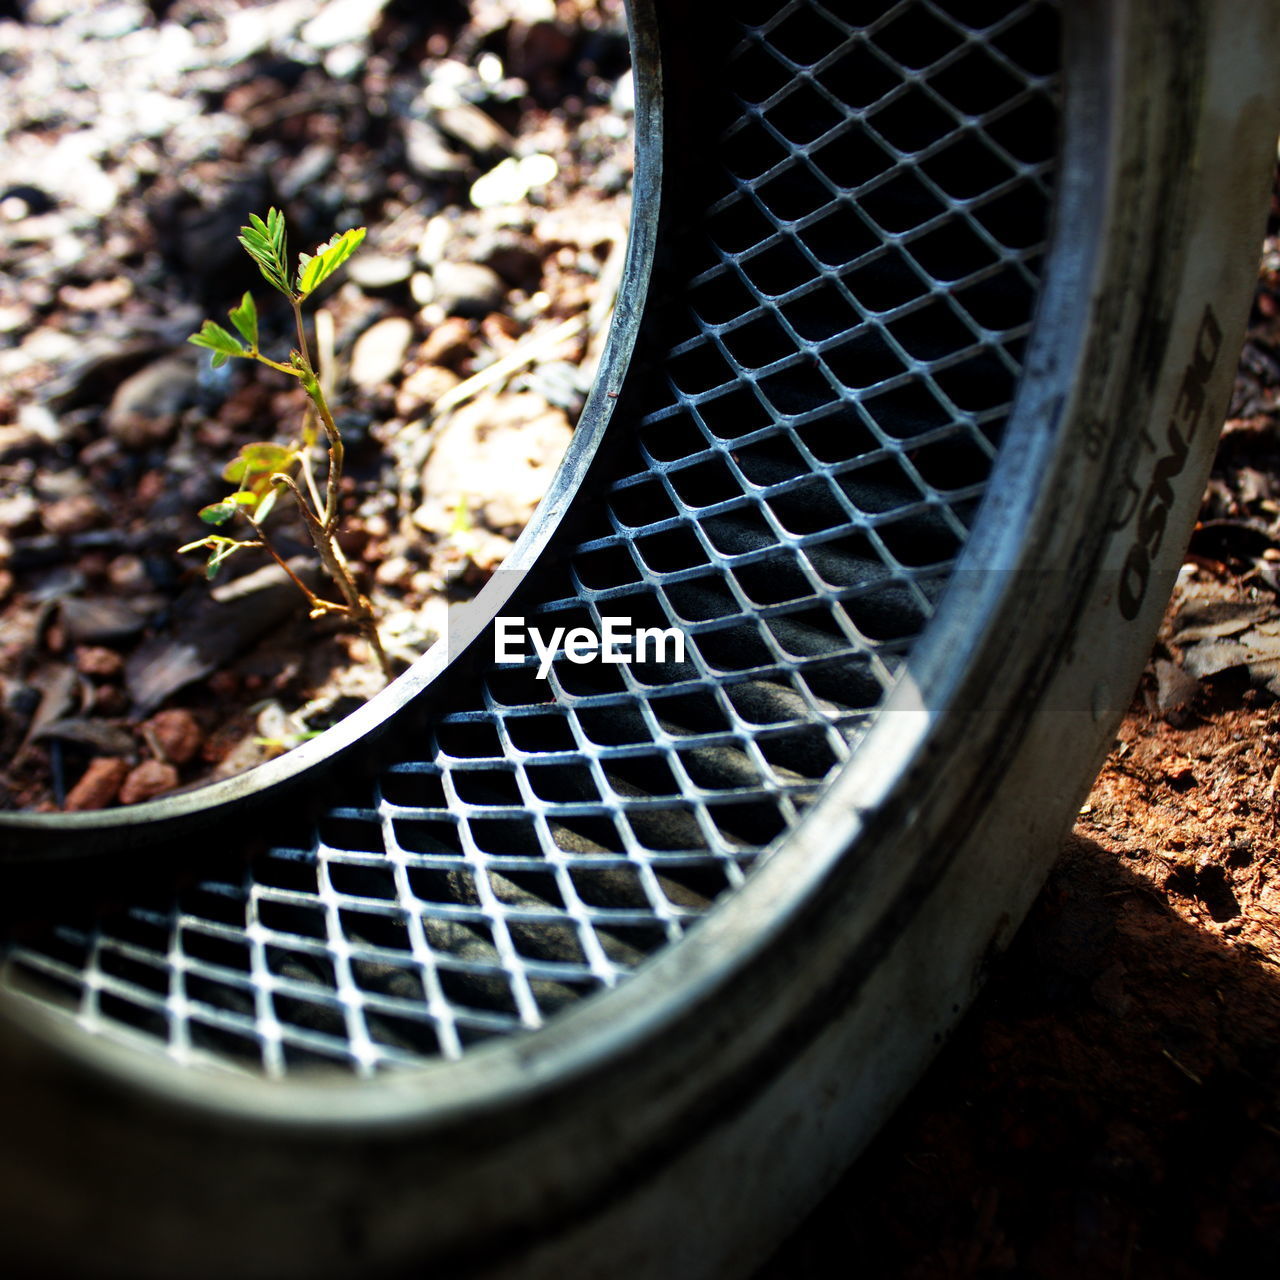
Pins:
<point x="1110" y="1107"/>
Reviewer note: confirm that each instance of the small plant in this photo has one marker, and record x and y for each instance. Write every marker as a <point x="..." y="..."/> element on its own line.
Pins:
<point x="265" y="470"/>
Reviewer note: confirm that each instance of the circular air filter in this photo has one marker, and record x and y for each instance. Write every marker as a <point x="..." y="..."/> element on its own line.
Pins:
<point x="560" y="968"/>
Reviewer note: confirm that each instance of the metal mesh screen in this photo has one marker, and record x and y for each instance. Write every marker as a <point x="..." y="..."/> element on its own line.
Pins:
<point x="830" y="361"/>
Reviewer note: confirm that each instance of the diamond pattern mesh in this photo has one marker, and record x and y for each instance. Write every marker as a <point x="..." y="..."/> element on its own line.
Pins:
<point x="826" y="371"/>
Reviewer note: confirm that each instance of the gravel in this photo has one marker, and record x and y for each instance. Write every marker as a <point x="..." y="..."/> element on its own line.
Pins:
<point x="488" y="153"/>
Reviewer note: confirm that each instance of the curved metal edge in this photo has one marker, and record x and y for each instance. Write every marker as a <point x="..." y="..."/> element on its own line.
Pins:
<point x="737" y="934"/>
<point x="805" y="899"/>
<point x="27" y="838"/>
<point x="901" y="751"/>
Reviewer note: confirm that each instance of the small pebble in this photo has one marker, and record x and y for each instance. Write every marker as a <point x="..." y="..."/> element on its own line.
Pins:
<point x="422" y="288"/>
<point x="98" y="786"/>
<point x="17" y="511"/>
<point x="99" y="662"/>
<point x="146" y="781"/>
<point x="176" y="733"/>
<point x="377" y="271"/>
<point x="128" y="573"/>
<point x="145" y="406"/>
<point x="392" y="571"/>
<point x="422" y="388"/>
<point x="448" y="343"/>
<point x="71" y="515"/>
<point x="468" y="289"/>
<point x="511" y="181"/>
<point x="379" y="352"/>
<point x="100" y="619"/>
<point x="435" y="240"/>
<point x="428" y="155"/>
<point x="474" y="129"/>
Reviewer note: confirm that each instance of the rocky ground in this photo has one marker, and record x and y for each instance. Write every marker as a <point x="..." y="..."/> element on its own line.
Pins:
<point x="487" y="149"/>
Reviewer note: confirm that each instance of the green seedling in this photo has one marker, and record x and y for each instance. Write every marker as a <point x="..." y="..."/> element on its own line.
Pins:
<point x="263" y="471"/>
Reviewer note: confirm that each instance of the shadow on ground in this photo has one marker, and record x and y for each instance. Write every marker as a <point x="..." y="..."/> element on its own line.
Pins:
<point x="1109" y="1107"/>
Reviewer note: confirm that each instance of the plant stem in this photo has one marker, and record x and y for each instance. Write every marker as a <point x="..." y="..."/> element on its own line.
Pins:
<point x="322" y="525"/>
<point x="357" y="605"/>
<point x="317" y="604"/>
<point x="302" y="332"/>
<point x="311" y="384"/>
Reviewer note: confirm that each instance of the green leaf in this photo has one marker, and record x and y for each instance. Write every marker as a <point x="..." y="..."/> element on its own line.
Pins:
<point x="219" y="341"/>
<point x="314" y="269"/>
<point x="257" y="460"/>
<point x="461" y="522"/>
<point x="219" y="549"/>
<point x="265" y="505"/>
<point x="224" y="550"/>
<point x="245" y="319"/>
<point x="265" y="244"/>
<point x="218" y="512"/>
<point x="253" y="470"/>
<point x="276" y="230"/>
